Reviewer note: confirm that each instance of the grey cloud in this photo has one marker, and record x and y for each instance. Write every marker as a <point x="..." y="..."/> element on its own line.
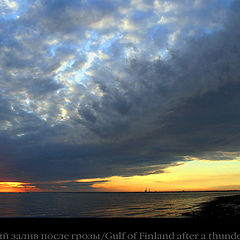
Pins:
<point x="33" y="161"/>
<point x="44" y="86"/>
<point x="65" y="186"/>
<point x="208" y="65"/>
<point x="67" y="17"/>
<point x="87" y="114"/>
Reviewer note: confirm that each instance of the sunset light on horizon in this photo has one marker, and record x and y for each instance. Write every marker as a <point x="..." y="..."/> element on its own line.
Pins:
<point x="17" y="187"/>
<point x="193" y="175"/>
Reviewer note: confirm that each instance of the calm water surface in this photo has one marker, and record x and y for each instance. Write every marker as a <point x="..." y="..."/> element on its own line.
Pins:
<point x="105" y="205"/>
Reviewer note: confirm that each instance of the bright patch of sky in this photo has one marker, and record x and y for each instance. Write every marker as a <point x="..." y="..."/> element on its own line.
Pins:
<point x="12" y="10"/>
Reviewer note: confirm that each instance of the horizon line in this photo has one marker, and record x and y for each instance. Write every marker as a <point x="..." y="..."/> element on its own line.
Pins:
<point x="183" y="191"/>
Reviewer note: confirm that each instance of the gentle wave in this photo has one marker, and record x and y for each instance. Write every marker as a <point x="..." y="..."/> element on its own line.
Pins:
<point x="103" y="205"/>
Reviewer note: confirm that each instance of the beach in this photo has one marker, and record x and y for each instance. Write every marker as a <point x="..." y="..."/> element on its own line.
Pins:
<point x="219" y="208"/>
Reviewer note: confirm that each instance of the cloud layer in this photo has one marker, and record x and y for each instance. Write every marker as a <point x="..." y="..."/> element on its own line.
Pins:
<point x="104" y="88"/>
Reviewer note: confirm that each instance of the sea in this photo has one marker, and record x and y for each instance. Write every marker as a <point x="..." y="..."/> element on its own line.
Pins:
<point x="103" y="204"/>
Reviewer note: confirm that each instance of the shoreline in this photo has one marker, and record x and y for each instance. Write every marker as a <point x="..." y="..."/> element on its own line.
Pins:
<point x="218" y="208"/>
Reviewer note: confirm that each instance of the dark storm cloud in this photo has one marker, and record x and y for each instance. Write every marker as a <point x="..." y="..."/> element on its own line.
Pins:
<point x="132" y="114"/>
<point x="67" y="185"/>
<point x="73" y="161"/>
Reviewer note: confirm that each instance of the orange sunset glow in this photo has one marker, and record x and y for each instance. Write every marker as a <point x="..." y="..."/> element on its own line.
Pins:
<point x="190" y="176"/>
<point x="194" y="175"/>
<point x="17" y="187"/>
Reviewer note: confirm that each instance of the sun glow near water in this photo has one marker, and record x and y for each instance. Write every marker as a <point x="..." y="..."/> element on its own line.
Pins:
<point x="17" y="187"/>
<point x="190" y="176"/>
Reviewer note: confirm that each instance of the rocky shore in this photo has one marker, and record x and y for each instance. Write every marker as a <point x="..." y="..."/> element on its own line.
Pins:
<point x="219" y="208"/>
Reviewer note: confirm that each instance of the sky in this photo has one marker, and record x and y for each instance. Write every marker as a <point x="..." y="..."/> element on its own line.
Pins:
<point x="123" y="95"/>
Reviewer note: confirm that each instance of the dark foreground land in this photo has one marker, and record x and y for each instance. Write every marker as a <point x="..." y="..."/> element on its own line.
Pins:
<point x="219" y="208"/>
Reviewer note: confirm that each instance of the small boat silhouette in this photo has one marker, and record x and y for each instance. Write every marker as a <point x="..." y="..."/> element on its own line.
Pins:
<point x="147" y="190"/>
